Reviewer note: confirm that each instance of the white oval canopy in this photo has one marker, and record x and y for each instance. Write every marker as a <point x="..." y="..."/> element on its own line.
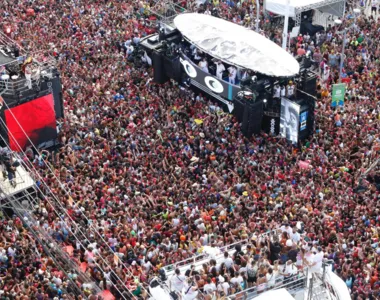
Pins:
<point x="236" y="45"/>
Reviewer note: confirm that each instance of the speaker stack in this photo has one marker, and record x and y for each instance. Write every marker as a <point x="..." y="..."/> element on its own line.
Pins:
<point x="159" y="75"/>
<point x="309" y="83"/>
<point x="253" y="116"/>
<point x="249" y="112"/>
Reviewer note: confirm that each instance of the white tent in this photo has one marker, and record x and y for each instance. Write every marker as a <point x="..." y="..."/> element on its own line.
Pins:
<point x="297" y="6"/>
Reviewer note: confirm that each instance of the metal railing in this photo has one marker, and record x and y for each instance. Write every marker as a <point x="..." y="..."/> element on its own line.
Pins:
<point x="165" y="11"/>
<point x="7" y="41"/>
<point x="292" y="284"/>
<point x="203" y="256"/>
<point x="22" y="180"/>
<point x="21" y="85"/>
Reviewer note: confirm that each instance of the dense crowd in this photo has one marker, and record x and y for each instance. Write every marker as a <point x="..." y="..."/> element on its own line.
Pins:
<point x="280" y="257"/>
<point x="160" y="172"/>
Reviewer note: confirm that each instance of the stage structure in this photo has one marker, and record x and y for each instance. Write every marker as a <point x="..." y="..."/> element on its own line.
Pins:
<point x="236" y="45"/>
<point x="22" y="199"/>
<point x="165" y="11"/>
<point x="204" y="52"/>
<point x="296" y="7"/>
<point x="31" y="95"/>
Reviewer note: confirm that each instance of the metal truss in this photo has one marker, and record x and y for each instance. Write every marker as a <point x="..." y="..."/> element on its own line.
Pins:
<point x="166" y="10"/>
<point x="301" y="9"/>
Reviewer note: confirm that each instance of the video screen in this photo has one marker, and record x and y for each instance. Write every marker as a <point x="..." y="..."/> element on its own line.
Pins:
<point x="290" y="115"/>
<point x="34" y="120"/>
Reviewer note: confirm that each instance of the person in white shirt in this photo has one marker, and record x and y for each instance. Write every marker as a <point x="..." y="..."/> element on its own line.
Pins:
<point x="237" y="280"/>
<point x="289" y="270"/>
<point x="228" y="262"/>
<point x="177" y="282"/>
<point x="220" y="69"/>
<point x="283" y="91"/>
<point x="209" y="287"/>
<point x="130" y="49"/>
<point x="317" y="261"/>
<point x="295" y="236"/>
<point x="191" y="292"/>
<point x="290" y="89"/>
<point x="286" y="228"/>
<point x="223" y="285"/>
<point x="271" y="278"/>
<point x="28" y="77"/>
<point x="196" y="55"/>
<point x="232" y="74"/>
<point x="204" y="65"/>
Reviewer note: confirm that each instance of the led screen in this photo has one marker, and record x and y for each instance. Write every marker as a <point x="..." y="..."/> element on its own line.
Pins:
<point x="34" y="120"/>
<point x="290" y="115"/>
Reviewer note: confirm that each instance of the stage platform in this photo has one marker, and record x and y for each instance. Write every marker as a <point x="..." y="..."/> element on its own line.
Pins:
<point x="23" y="179"/>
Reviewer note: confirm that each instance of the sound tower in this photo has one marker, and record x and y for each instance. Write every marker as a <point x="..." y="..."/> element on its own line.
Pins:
<point x="159" y="75"/>
<point x="172" y="68"/>
<point x="252" y="118"/>
<point x="309" y="83"/>
<point x="239" y="107"/>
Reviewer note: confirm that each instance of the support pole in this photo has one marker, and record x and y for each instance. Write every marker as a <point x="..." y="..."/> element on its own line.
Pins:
<point x="286" y="25"/>
<point x="257" y="15"/>
<point x="342" y="55"/>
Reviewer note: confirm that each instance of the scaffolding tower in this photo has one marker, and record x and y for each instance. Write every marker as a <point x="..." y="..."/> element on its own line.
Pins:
<point x="23" y="200"/>
<point x="165" y="11"/>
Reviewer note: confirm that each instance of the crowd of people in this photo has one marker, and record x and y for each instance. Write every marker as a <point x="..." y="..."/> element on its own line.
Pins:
<point x="156" y="172"/>
<point x="281" y="257"/>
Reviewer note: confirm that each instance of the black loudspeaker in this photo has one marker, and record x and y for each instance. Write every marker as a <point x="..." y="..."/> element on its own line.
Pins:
<point x="172" y="68"/>
<point x="309" y="83"/>
<point x="239" y="106"/>
<point x="252" y="119"/>
<point x="159" y="75"/>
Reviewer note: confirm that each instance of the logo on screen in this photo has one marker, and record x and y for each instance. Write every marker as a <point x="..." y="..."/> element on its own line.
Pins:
<point x="272" y="126"/>
<point x="214" y="84"/>
<point x="189" y="69"/>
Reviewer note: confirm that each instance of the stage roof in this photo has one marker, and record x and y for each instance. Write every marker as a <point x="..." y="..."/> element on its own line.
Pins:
<point x="279" y="6"/>
<point x="236" y="45"/>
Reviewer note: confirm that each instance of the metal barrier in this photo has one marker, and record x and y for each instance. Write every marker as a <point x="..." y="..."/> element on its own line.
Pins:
<point x="22" y="180"/>
<point x="293" y="285"/>
<point x="202" y="256"/>
<point x="166" y="10"/>
<point x="20" y="85"/>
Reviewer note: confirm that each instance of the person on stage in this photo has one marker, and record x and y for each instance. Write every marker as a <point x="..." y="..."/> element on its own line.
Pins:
<point x="232" y="74"/>
<point x="219" y="69"/>
<point x="204" y="65"/>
